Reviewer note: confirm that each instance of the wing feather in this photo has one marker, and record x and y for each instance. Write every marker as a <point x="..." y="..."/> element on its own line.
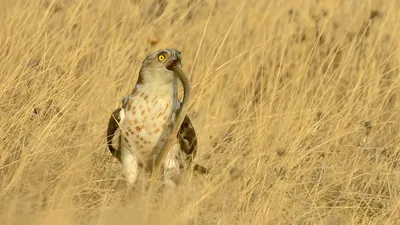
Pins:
<point x="113" y="134"/>
<point x="187" y="137"/>
<point x="188" y="141"/>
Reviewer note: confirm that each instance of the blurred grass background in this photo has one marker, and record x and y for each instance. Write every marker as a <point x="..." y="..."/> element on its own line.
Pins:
<point x="296" y="106"/>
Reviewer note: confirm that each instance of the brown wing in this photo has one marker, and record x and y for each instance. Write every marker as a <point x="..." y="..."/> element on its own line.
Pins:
<point x="188" y="141"/>
<point x="187" y="137"/>
<point x="113" y="125"/>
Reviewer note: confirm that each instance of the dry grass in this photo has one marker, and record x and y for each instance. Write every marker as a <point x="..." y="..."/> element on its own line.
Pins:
<point x="296" y="105"/>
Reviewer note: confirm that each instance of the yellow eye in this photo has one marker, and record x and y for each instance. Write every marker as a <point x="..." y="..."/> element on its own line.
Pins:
<point x="161" y="57"/>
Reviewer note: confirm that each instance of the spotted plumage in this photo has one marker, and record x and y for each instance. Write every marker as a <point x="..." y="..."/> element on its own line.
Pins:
<point x="146" y="116"/>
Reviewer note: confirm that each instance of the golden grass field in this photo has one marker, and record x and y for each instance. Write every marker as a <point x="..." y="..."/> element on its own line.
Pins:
<point x="295" y="103"/>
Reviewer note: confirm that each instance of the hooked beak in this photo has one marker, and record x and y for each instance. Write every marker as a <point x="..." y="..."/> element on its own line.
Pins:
<point x="176" y="61"/>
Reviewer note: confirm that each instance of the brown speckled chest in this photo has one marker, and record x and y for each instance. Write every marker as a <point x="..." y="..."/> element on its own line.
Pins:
<point x="147" y="122"/>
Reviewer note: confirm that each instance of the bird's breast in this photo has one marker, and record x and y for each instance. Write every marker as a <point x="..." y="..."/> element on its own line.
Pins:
<point x="148" y="120"/>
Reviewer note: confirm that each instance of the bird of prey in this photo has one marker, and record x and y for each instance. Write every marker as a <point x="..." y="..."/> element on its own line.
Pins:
<point x="142" y="124"/>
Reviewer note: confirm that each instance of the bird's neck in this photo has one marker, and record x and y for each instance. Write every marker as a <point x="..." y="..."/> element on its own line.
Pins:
<point x="159" y="90"/>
